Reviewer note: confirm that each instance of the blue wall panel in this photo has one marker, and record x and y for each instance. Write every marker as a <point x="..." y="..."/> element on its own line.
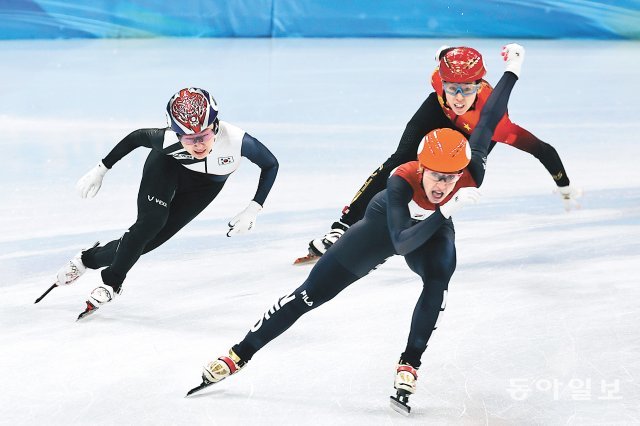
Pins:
<point x="615" y="19"/>
<point x="136" y="18"/>
<point x="458" y="18"/>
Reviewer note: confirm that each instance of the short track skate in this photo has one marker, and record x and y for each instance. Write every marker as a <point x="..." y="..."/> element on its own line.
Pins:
<point x="90" y="309"/>
<point x="205" y="384"/>
<point x="54" y="285"/>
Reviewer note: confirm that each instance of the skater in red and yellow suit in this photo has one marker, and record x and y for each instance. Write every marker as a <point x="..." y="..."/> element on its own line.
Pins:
<point x="446" y="107"/>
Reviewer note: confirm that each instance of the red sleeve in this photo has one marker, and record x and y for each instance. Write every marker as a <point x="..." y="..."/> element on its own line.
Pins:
<point x="511" y="134"/>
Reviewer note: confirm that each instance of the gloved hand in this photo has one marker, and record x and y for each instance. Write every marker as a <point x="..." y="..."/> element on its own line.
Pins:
<point x="439" y="51"/>
<point x="245" y="220"/>
<point x="90" y="183"/>
<point x="570" y="195"/>
<point x="513" y="54"/>
<point x="463" y="197"/>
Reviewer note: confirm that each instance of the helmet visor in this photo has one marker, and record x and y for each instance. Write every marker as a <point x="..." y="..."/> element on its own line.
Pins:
<point x="442" y="177"/>
<point x="202" y="137"/>
<point x="465" y="89"/>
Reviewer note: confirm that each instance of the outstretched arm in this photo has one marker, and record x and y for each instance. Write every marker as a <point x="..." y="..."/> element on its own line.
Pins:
<point x="90" y="183"/>
<point x="260" y="155"/>
<point x="493" y="111"/>
<point x="522" y="139"/>
<point x="135" y="139"/>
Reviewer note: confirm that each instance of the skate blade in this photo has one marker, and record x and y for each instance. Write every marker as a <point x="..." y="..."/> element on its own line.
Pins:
<point x="399" y="406"/>
<point x="54" y="285"/>
<point x="198" y="388"/>
<point x="88" y="311"/>
<point x="306" y="260"/>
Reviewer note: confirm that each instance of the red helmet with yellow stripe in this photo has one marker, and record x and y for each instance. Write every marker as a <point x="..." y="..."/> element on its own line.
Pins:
<point x="461" y="65"/>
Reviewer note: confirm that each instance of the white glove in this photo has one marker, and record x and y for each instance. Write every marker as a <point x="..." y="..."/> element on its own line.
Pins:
<point x="90" y="183"/>
<point x="245" y="220"/>
<point x="439" y="51"/>
<point x="570" y="195"/>
<point x="464" y="196"/>
<point x="513" y="55"/>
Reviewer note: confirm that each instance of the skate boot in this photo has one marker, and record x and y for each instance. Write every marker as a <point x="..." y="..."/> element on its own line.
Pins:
<point x="73" y="270"/>
<point x="405" y="385"/>
<point x="219" y="370"/>
<point x="99" y="296"/>
<point x="319" y="246"/>
<point x="102" y="294"/>
<point x="222" y="368"/>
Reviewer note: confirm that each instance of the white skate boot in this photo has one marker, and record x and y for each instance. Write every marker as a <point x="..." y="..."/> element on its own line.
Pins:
<point x="102" y="294"/>
<point x="73" y="270"/>
<point x="222" y="368"/>
<point x="99" y="296"/>
<point x="405" y="385"/>
<point x="319" y="246"/>
<point x="406" y="377"/>
<point x="219" y="370"/>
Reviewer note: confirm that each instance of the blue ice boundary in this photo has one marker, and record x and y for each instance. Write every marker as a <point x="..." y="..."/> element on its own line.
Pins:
<point x="547" y="19"/>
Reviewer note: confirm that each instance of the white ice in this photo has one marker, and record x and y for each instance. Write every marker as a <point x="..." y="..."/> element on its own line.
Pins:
<point x="543" y="301"/>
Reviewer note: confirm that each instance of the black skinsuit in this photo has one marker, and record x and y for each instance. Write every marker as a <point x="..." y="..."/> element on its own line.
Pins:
<point x="170" y="196"/>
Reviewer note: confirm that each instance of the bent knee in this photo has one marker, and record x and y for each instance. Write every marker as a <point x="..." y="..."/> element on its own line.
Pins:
<point x="150" y="223"/>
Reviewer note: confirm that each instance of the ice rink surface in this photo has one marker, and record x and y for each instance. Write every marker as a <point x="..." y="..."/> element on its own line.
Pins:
<point x="541" y="325"/>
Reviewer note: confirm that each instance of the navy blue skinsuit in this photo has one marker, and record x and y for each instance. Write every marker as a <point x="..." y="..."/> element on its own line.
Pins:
<point x="387" y="229"/>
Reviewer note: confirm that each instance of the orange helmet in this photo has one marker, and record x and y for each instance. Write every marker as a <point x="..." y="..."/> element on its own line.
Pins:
<point x="444" y="150"/>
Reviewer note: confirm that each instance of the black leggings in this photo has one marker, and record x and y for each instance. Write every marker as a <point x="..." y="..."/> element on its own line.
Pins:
<point x="435" y="262"/>
<point x="170" y="196"/>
